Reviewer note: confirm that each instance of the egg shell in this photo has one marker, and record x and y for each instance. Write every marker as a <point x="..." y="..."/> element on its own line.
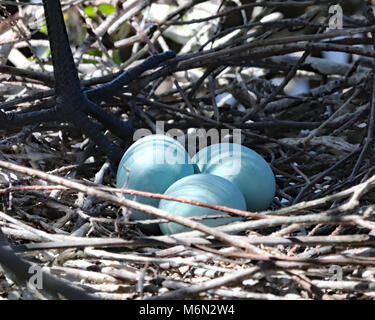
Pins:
<point x="205" y="188"/>
<point x="243" y="167"/>
<point x="152" y="164"/>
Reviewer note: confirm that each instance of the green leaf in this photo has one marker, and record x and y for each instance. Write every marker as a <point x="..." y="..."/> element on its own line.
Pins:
<point x="89" y="61"/>
<point x="90" y="11"/>
<point x="116" y="57"/>
<point x="95" y="53"/>
<point x="43" y="29"/>
<point x="107" y="9"/>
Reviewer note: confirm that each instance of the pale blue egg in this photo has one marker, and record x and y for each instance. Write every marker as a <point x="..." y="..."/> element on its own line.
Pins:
<point x="243" y="167"/>
<point x="205" y="188"/>
<point x="152" y="164"/>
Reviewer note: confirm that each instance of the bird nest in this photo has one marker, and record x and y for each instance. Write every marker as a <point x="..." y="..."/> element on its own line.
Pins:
<point x="262" y="70"/>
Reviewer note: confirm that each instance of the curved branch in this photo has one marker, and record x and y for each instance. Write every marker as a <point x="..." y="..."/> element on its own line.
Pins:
<point x="67" y="83"/>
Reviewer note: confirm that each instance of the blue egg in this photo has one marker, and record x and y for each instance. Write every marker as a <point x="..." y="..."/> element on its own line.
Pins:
<point x="152" y="164"/>
<point x="243" y="167"/>
<point x="205" y="188"/>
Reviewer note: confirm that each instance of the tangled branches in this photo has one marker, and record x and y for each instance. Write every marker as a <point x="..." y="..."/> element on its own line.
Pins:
<point x="265" y="68"/>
